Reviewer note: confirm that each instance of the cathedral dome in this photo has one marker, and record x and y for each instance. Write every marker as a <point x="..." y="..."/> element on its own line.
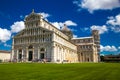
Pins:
<point x="65" y="28"/>
<point x="67" y="31"/>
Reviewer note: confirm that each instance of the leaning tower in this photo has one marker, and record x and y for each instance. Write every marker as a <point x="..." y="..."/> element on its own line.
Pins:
<point x="96" y="36"/>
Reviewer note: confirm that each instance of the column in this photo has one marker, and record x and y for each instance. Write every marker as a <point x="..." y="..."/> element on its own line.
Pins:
<point x="62" y="54"/>
<point x="38" y="53"/>
<point x="26" y="53"/>
<point x="53" y="54"/>
<point x="56" y="52"/>
<point x="17" y="56"/>
<point x="59" y="53"/>
<point x="22" y="56"/>
<point x="33" y="53"/>
<point x="12" y="54"/>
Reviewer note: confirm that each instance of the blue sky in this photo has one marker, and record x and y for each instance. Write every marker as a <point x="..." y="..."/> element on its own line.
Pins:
<point x="81" y="16"/>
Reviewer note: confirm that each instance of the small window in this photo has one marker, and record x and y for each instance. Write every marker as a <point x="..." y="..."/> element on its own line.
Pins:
<point x="43" y="31"/>
<point x="30" y="47"/>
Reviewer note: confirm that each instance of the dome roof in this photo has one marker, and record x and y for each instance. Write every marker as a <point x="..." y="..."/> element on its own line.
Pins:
<point x="65" y="28"/>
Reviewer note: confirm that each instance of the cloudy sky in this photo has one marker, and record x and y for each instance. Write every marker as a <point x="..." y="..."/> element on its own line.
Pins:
<point x="81" y="16"/>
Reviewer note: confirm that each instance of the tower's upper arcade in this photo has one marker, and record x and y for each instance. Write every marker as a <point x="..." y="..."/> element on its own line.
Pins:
<point x="96" y="36"/>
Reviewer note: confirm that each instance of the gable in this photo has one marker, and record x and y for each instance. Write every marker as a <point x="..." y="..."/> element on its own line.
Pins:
<point x="33" y="16"/>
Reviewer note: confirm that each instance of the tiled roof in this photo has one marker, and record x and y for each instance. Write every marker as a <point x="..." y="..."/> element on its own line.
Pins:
<point x="3" y="51"/>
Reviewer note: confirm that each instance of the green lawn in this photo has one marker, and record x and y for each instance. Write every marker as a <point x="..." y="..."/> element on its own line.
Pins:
<point x="78" y="71"/>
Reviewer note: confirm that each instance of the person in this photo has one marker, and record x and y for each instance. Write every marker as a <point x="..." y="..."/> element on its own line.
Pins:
<point x="44" y="60"/>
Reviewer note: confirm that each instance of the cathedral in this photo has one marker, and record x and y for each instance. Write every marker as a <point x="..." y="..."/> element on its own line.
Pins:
<point x="40" y="40"/>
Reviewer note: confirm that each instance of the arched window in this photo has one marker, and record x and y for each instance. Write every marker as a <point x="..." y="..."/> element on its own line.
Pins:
<point x="20" y="50"/>
<point x="81" y="54"/>
<point x="42" y="49"/>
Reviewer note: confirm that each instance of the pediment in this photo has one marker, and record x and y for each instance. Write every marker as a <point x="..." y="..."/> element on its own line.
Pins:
<point x="33" y="16"/>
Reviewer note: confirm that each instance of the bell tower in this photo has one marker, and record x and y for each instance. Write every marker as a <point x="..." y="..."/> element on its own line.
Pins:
<point x="96" y="36"/>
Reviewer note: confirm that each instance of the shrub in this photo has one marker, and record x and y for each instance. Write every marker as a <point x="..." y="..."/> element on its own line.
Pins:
<point x="0" y="60"/>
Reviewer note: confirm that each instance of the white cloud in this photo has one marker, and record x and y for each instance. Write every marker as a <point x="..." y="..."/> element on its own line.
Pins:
<point x="118" y="47"/>
<point x="102" y="29"/>
<point x="114" y="23"/>
<point x="70" y="23"/>
<point x="57" y="24"/>
<point x="114" y="20"/>
<point x="6" y="45"/>
<point x="85" y="29"/>
<point x="73" y="30"/>
<point x="17" y="26"/>
<point x="60" y="24"/>
<point x="108" y="48"/>
<point x="92" y="5"/>
<point x="21" y="17"/>
<point x="5" y="35"/>
<point x="116" y="29"/>
<point x="75" y="36"/>
<point x="45" y="15"/>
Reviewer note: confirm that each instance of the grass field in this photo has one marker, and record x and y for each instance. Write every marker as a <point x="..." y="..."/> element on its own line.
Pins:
<point x="81" y="71"/>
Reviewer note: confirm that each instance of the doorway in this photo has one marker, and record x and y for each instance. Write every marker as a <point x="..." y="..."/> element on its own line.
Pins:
<point x="30" y="56"/>
<point x="42" y="55"/>
<point x="20" y="56"/>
